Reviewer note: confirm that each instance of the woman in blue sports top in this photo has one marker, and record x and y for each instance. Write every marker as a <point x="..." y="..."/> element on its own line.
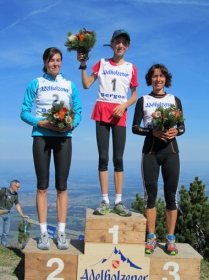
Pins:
<point x="158" y="153"/>
<point x="47" y="138"/>
<point x="116" y="76"/>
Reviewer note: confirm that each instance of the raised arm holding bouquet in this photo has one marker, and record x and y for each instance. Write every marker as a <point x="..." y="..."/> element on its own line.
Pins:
<point x="116" y="77"/>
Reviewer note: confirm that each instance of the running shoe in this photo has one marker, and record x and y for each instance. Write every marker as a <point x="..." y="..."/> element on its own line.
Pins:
<point x="103" y="208"/>
<point x="150" y="244"/>
<point x="121" y="210"/>
<point x="43" y="243"/>
<point x="62" y="243"/>
<point x="170" y="245"/>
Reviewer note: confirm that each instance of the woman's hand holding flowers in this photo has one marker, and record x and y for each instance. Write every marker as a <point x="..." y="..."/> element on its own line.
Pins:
<point x="50" y="125"/>
<point x="165" y="135"/>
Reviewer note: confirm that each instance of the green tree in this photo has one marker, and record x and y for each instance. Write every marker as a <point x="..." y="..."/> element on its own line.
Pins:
<point x="193" y="218"/>
<point x="138" y="204"/>
<point x="23" y="235"/>
<point x="161" y="231"/>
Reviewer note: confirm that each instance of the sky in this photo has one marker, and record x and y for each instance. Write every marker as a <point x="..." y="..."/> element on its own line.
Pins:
<point x="172" y="32"/>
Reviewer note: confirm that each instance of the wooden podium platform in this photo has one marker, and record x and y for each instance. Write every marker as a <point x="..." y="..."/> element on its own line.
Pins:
<point x="184" y="266"/>
<point x="113" y="249"/>
<point x="49" y="264"/>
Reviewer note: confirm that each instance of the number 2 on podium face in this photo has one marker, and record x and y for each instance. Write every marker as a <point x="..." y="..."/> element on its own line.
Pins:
<point x="173" y="272"/>
<point x="114" y="231"/>
<point x="56" y="271"/>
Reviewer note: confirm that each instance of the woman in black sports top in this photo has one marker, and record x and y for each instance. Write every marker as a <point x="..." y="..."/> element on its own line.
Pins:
<point x="158" y="153"/>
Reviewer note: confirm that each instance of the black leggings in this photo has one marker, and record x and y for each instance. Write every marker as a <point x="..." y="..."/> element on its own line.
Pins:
<point x="62" y="152"/>
<point x="170" y="168"/>
<point x="119" y="140"/>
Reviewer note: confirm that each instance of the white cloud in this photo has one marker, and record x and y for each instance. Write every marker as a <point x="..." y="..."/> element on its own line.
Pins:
<point x="32" y="13"/>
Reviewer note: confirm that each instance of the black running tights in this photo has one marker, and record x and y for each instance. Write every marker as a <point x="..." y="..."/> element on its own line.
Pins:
<point x="62" y="152"/>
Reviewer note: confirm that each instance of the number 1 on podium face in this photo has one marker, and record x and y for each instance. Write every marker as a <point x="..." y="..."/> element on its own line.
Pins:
<point x="114" y="231"/>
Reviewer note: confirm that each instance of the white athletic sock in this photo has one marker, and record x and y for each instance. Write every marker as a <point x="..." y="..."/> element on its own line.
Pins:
<point x="105" y="198"/>
<point x="43" y="227"/>
<point x="61" y="227"/>
<point x="118" y="198"/>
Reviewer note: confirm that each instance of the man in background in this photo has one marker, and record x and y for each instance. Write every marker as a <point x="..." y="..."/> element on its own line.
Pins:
<point x="8" y="197"/>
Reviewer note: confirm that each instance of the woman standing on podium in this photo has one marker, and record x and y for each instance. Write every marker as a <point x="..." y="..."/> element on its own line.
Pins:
<point x="48" y="137"/>
<point x="160" y="150"/>
<point x="115" y="76"/>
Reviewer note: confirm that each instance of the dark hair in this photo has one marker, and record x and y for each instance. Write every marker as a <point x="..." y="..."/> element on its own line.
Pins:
<point x="163" y="70"/>
<point x="48" y="54"/>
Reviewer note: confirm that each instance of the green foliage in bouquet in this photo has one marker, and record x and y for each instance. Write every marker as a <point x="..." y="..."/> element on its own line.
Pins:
<point x="165" y="118"/>
<point x="23" y="235"/>
<point x="82" y="42"/>
<point x="60" y="115"/>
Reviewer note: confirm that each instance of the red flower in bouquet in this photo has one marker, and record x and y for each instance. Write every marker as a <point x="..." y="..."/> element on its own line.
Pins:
<point x="81" y="37"/>
<point x="64" y="109"/>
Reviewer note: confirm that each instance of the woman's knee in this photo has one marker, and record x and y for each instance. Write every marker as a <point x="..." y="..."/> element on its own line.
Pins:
<point x="103" y="162"/>
<point x="62" y="193"/>
<point x="41" y="192"/>
<point x="43" y="185"/>
<point x="171" y="201"/>
<point x="149" y="200"/>
<point x="118" y="164"/>
<point x="171" y="205"/>
<point x="61" y="186"/>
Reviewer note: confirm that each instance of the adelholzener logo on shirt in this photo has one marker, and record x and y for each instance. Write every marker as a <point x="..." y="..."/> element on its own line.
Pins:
<point x="114" y="72"/>
<point x="157" y="104"/>
<point x="53" y="88"/>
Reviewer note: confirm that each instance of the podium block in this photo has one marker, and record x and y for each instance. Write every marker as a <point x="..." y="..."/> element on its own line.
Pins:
<point x="114" y="229"/>
<point x="185" y="265"/>
<point x="114" y="248"/>
<point x="47" y="264"/>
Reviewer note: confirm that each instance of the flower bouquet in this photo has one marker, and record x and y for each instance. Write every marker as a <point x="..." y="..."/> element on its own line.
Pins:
<point x="82" y="42"/>
<point x="60" y="115"/>
<point x="166" y="118"/>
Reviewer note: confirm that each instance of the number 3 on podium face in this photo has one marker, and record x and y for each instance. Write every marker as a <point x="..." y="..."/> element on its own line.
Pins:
<point x="174" y="272"/>
<point x="114" y="231"/>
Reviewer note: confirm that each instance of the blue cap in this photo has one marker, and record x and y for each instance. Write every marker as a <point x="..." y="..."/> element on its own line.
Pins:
<point x="121" y="32"/>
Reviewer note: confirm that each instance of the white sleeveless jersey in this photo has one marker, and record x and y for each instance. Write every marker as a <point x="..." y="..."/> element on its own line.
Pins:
<point x="49" y="93"/>
<point x="114" y="82"/>
<point x="151" y="103"/>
